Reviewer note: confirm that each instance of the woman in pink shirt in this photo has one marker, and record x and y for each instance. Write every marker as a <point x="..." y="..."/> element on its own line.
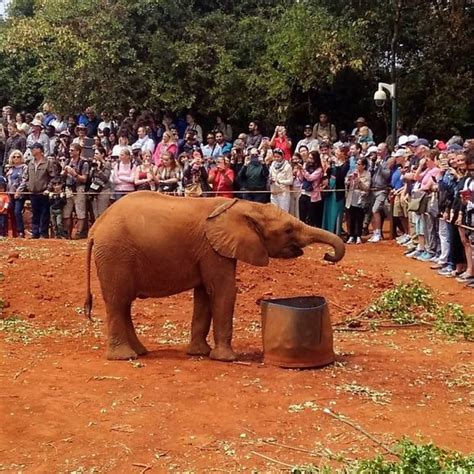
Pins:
<point x="311" y="203"/>
<point x="123" y="175"/>
<point x="166" y="144"/>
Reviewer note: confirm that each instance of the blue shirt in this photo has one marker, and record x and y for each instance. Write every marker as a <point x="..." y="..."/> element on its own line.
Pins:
<point x="397" y="181"/>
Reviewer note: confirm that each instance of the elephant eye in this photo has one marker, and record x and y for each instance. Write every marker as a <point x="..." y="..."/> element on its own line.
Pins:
<point x="289" y="230"/>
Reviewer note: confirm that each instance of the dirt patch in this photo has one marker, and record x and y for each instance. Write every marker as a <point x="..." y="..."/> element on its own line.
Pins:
<point x="64" y="407"/>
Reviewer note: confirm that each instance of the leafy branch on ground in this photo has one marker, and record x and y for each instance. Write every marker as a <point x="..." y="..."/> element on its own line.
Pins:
<point x="413" y="458"/>
<point x="414" y="303"/>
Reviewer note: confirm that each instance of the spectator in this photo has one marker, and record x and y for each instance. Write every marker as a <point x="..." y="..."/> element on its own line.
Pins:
<point x="356" y="131"/>
<point x="76" y="176"/>
<point x="225" y="146"/>
<point x="310" y="201"/>
<point x="380" y="171"/>
<point x="222" y="178"/>
<point x="106" y="122"/>
<point x="90" y="121"/>
<point x="144" y="141"/>
<point x="195" y="176"/>
<point x="296" y="164"/>
<point x="168" y="175"/>
<point x="15" y="141"/>
<point x="21" y="125"/>
<point x="334" y="202"/>
<point x="4" y="207"/>
<point x="304" y="153"/>
<point x="36" y="179"/>
<point x="81" y="134"/>
<point x="145" y="173"/>
<point x="400" y="206"/>
<point x="122" y="144"/>
<point x="48" y="116"/>
<point x="192" y="125"/>
<point x="308" y="141"/>
<point x="324" y="131"/>
<point x="253" y="177"/>
<point x="254" y="137"/>
<point x="354" y="154"/>
<point x="190" y="143"/>
<point x="14" y="176"/>
<point x="223" y="127"/>
<point x="59" y="124"/>
<point x="123" y="174"/>
<point x="57" y="201"/>
<point x="167" y="144"/>
<point x="281" y="141"/>
<point x="38" y="136"/>
<point x="100" y="188"/>
<point x="281" y="179"/>
<point x="357" y="199"/>
<point x="212" y="150"/>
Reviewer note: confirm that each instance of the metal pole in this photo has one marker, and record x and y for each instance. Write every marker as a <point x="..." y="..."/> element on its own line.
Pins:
<point x="396" y="34"/>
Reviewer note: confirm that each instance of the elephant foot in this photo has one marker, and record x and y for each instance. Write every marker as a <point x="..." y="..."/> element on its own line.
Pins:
<point x="139" y="348"/>
<point x="224" y="354"/>
<point x="122" y="352"/>
<point x="198" y="349"/>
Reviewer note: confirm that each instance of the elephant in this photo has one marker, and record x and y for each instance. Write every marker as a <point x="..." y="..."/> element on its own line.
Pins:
<point x="149" y="245"/>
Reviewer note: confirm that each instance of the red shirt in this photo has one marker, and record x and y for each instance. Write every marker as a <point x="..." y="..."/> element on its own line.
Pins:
<point x="284" y="145"/>
<point x="4" y="203"/>
<point x="223" y="183"/>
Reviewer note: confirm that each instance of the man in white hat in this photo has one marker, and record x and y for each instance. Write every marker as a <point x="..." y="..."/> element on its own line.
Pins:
<point x="37" y="135"/>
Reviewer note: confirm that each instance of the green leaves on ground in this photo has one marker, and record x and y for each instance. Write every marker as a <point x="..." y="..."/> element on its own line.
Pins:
<point x="412" y="302"/>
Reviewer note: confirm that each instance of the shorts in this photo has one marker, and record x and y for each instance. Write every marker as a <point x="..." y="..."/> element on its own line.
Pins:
<point x="419" y="225"/>
<point x="379" y="198"/>
<point x="400" y="207"/>
<point x="76" y="202"/>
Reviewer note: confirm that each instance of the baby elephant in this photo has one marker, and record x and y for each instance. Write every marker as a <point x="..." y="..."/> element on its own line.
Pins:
<point x="148" y="245"/>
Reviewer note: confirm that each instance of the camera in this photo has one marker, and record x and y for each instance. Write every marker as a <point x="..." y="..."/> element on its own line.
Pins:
<point x="380" y="97"/>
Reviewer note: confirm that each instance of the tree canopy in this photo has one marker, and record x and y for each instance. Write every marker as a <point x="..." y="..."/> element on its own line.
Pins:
<point x="277" y="60"/>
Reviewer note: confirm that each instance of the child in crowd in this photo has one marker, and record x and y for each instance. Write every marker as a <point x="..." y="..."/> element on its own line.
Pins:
<point x="4" y="204"/>
<point x="57" y="201"/>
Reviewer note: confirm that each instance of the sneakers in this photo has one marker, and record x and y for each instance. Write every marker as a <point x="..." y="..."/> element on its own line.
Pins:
<point x="358" y="241"/>
<point x="405" y="238"/>
<point x="415" y="254"/>
<point x="425" y="257"/>
<point x="438" y="266"/>
<point x="409" y="250"/>
<point x="446" y="271"/>
<point x="375" y="238"/>
<point x="350" y="240"/>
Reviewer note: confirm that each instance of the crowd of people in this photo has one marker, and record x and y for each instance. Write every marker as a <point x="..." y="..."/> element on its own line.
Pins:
<point x="70" y="169"/>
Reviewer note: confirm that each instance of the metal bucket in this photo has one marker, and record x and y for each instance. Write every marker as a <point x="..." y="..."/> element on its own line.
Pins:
<point x="297" y="332"/>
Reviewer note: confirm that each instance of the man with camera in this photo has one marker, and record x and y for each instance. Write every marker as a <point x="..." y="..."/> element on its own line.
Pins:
<point x="76" y="176"/>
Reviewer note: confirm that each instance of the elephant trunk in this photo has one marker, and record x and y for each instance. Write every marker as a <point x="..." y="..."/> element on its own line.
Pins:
<point x="310" y="235"/>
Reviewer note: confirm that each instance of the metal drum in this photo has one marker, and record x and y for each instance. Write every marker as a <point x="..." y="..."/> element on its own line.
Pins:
<point x="297" y="332"/>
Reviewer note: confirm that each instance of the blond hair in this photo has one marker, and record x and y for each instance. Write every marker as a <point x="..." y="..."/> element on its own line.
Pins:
<point x="12" y="154"/>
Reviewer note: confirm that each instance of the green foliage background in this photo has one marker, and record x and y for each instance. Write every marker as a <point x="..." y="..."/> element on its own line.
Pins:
<point x="278" y="60"/>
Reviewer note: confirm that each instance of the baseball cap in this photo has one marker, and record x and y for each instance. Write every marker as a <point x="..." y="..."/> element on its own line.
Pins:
<point x="454" y="147"/>
<point x="411" y="139"/>
<point x="399" y="152"/>
<point x="372" y="149"/>
<point x="402" y="140"/>
<point x="421" y="142"/>
<point x="440" y="145"/>
<point x="308" y="126"/>
<point x="278" y="151"/>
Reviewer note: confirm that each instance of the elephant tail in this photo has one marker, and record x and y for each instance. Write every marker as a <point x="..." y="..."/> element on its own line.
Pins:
<point x="88" y="302"/>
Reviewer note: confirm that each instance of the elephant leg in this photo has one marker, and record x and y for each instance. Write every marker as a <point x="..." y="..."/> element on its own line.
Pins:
<point x="119" y="322"/>
<point x="132" y="337"/>
<point x="200" y="324"/>
<point x="222" y="307"/>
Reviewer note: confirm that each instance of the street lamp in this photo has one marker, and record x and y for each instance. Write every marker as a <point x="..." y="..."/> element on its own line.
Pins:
<point x="380" y="98"/>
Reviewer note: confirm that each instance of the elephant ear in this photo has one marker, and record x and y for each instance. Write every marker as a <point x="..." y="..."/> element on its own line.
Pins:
<point x="233" y="231"/>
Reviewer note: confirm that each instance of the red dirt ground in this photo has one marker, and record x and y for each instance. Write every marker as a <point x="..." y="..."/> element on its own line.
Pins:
<point x="65" y="408"/>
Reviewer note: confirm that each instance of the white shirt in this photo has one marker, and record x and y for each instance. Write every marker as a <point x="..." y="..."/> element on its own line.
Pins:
<point x="311" y="143"/>
<point x="146" y="143"/>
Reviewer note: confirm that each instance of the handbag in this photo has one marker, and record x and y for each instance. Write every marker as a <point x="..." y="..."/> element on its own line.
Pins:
<point x="433" y="207"/>
<point x="418" y="202"/>
<point x="193" y="190"/>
